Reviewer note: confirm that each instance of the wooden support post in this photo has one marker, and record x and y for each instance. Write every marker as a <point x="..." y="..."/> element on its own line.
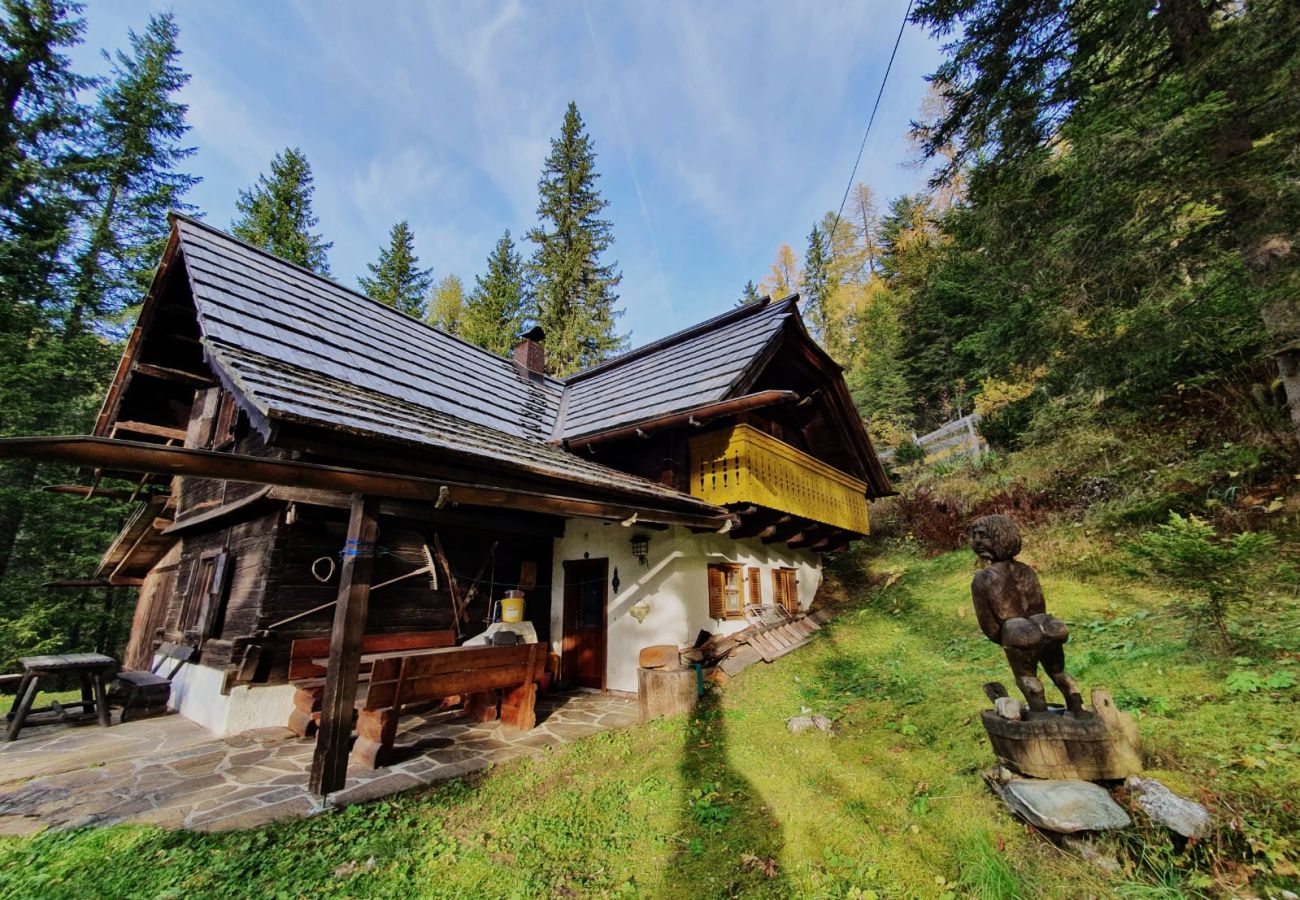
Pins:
<point x="329" y="765"/>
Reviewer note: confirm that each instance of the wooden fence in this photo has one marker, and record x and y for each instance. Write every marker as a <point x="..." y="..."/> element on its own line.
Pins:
<point x="955" y="439"/>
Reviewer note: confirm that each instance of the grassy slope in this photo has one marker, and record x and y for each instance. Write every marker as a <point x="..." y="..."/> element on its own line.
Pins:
<point x="891" y="805"/>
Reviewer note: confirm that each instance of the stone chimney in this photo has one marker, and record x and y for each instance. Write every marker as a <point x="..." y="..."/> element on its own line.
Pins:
<point x="529" y="353"/>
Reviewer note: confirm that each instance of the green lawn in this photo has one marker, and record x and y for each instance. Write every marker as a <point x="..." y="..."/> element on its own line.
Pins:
<point x="42" y="699"/>
<point x="730" y="803"/>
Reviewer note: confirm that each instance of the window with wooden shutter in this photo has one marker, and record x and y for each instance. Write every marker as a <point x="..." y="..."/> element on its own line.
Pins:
<point x="785" y="588"/>
<point x="205" y="598"/>
<point x="726" y="591"/>
<point x="755" y="586"/>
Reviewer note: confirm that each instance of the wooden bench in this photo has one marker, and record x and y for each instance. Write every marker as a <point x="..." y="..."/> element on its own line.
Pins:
<point x="477" y="673"/>
<point x="145" y="693"/>
<point x="307" y="673"/>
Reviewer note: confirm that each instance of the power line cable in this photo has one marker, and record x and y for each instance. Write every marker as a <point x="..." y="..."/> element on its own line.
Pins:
<point x="871" y="121"/>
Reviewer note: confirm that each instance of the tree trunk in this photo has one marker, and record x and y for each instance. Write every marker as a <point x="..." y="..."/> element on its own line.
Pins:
<point x="1288" y="370"/>
<point x="1282" y="320"/>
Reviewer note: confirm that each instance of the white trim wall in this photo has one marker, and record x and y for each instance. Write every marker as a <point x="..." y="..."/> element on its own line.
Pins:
<point x="196" y="695"/>
<point x="673" y="584"/>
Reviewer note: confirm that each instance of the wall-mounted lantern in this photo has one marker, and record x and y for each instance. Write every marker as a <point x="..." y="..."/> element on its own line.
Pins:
<point x="640" y="547"/>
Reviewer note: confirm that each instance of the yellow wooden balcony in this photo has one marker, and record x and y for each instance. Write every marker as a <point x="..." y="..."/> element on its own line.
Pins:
<point x="744" y="465"/>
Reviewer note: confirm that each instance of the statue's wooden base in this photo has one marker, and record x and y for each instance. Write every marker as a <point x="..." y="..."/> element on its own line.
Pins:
<point x="1100" y="745"/>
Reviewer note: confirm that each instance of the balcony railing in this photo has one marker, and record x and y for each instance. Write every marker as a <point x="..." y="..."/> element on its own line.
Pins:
<point x="744" y="465"/>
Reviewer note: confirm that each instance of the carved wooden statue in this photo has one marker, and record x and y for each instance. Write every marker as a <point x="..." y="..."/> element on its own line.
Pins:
<point x="1013" y="614"/>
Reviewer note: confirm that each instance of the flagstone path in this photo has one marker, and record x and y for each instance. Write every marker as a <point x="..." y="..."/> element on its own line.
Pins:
<point x="173" y="773"/>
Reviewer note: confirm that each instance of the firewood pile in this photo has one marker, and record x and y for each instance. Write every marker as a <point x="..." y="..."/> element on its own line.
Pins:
<point x="728" y="655"/>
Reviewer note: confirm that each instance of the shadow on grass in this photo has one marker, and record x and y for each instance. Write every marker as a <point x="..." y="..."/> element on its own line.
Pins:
<point x="729" y="841"/>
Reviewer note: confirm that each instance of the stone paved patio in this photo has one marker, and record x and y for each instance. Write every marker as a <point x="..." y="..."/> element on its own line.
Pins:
<point x="173" y="773"/>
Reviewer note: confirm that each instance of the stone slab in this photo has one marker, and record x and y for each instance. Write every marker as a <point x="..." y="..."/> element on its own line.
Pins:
<point x="1166" y="808"/>
<point x="1064" y="807"/>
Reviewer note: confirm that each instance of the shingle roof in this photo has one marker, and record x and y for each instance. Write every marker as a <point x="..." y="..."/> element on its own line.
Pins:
<point x="300" y="347"/>
<point x="285" y="391"/>
<point x="687" y="369"/>
<point x="256" y="302"/>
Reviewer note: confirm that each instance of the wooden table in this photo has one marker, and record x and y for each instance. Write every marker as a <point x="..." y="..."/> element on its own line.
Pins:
<point x="90" y="668"/>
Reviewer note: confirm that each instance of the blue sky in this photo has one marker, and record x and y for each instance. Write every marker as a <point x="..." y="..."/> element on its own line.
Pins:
<point x="723" y="129"/>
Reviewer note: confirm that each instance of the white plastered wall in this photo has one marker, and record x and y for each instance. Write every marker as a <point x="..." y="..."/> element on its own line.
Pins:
<point x="196" y="695"/>
<point x="673" y="583"/>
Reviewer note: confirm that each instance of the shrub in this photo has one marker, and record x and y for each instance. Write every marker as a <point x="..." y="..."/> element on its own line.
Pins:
<point x="908" y="452"/>
<point x="936" y="521"/>
<point x="1215" y="575"/>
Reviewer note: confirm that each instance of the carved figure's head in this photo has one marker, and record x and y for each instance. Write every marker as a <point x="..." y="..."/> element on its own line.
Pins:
<point x="994" y="538"/>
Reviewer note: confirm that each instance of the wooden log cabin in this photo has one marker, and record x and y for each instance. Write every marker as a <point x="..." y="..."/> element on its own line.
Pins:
<point x="636" y="503"/>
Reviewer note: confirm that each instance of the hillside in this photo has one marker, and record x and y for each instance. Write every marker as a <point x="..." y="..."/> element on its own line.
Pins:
<point x="889" y="805"/>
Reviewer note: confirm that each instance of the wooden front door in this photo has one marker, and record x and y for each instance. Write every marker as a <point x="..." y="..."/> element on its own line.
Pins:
<point x="585" y="598"/>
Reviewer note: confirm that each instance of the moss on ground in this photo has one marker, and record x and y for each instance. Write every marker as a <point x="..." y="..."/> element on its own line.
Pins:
<point x="730" y="803"/>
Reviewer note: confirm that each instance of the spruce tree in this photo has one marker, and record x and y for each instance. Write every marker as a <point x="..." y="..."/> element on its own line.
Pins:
<point x="39" y="120"/>
<point x="138" y="129"/>
<point x="817" y="280"/>
<point x="396" y="278"/>
<point x="574" y="290"/>
<point x="276" y="213"/>
<point x="38" y="90"/>
<point x="497" y="309"/>
<point x="749" y="294"/>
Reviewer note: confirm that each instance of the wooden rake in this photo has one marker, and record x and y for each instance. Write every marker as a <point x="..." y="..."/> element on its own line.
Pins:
<point x="430" y="568"/>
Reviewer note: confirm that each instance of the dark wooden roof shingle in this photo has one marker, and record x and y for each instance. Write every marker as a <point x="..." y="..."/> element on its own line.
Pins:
<point x="687" y="369"/>
<point x="284" y="391"/>
<point x="254" y="301"/>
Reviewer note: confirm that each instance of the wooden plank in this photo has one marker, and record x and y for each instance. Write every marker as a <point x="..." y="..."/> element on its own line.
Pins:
<point x="179" y="376"/>
<point x="305" y="653"/>
<point x="329" y="765"/>
<point x="83" y="490"/>
<point x="170" y="432"/>
<point x="463" y="658"/>
<point x="218" y="512"/>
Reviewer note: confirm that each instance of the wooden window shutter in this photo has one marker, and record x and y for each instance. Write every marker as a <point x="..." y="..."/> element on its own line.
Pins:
<point x="212" y="608"/>
<point x="755" y="586"/>
<point x="785" y="588"/>
<point x="206" y="594"/>
<point x="717" y="603"/>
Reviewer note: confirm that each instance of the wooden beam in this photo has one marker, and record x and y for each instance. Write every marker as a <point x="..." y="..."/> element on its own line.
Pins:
<point x="813" y="532"/>
<point x="761" y="524"/>
<point x="329" y="764"/>
<point x="164" y="431"/>
<point x="116" y="455"/>
<point x="85" y="490"/>
<point x="218" y="512"/>
<point x="179" y="376"/>
<point x="513" y="522"/>
<point x="792" y="529"/>
<point x="693" y="416"/>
